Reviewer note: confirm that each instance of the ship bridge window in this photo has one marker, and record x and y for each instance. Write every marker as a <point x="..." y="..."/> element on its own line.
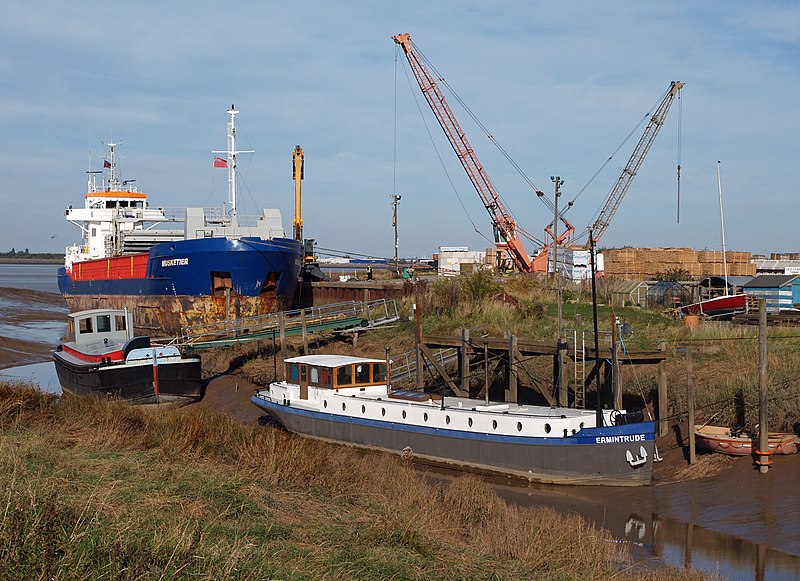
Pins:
<point x="85" y="326"/>
<point x="120" y="323"/>
<point x="344" y="375"/>
<point x="138" y="204"/>
<point x="294" y="372"/>
<point x="378" y="372"/>
<point x="104" y="323"/>
<point x="220" y="283"/>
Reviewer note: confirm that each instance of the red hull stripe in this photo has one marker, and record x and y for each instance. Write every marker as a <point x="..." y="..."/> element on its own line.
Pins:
<point x="105" y="357"/>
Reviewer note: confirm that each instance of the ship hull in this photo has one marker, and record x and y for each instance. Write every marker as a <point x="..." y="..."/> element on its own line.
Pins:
<point x="719" y="307"/>
<point x="178" y="381"/>
<point x="593" y="456"/>
<point x="189" y="282"/>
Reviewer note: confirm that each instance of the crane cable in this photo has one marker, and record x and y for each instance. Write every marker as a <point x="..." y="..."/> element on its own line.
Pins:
<point x="436" y="149"/>
<point x="647" y="116"/>
<point x="547" y="202"/>
<point x="680" y="127"/>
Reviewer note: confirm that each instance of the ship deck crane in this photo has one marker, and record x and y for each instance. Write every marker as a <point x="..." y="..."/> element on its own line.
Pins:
<point x="504" y="223"/>
<point x="298" y="164"/>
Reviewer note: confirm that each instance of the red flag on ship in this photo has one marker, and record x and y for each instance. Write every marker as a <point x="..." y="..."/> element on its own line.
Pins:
<point x="106" y="164"/>
<point x="219" y="162"/>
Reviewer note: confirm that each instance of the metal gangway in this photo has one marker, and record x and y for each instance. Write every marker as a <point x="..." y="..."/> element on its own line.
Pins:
<point x="404" y="365"/>
<point x="338" y="317"/>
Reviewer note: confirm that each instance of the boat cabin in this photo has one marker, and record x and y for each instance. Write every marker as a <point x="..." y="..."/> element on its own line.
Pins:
<point x="99" y="327"/>
<point x="334" y="372"/>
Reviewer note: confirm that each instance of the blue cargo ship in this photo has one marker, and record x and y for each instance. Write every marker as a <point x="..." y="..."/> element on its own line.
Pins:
<point x="218" y="266"/>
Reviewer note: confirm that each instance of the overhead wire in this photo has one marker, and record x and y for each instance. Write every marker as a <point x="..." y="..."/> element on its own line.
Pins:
<point x="439" y="156"/>
<point x="647" y="116"/>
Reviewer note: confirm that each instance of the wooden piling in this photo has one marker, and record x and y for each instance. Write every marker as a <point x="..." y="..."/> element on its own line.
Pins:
<point x="690" y="399"/>
<point x="463" y="364"/>
<point x="663" y="404"/>
<point x="282" y="328"/>
<point x="763" y="431"/>
<point x="304" y="331"/>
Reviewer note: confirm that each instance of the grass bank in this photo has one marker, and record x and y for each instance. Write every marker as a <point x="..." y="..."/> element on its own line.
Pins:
<point x="96" y="490"/>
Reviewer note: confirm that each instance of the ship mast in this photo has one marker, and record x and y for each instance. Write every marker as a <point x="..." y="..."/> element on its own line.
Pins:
<point x="232" y="170"/>
<point x="113" y="180"/>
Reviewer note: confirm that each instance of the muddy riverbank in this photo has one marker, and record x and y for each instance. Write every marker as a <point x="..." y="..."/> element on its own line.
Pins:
<point x="719" y="515"/>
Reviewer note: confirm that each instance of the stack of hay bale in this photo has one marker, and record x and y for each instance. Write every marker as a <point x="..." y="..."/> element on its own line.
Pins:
<point x="643" y="263"/>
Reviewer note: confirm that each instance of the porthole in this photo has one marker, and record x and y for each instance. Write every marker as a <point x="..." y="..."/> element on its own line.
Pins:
<point x="344" y="406"/>
<point x="363" y="409"/>
<point x="404" y="414"/>
<point x="447" y="420"/>
<point x="547" y="428"/>
<point x="383" y="411"/>
<point x="469" y="422"/>
<point x="325" y="403"/>
<point x="494" y="424"/>
<point x="519" y="426"/>
<point x="581" y="426"/>
<point x="425" y="417"/>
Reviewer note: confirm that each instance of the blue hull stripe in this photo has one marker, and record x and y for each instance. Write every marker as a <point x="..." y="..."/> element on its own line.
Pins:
<point x="586" y="436"/>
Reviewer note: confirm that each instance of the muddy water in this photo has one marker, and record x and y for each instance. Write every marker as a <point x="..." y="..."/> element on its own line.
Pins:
<point x="666" y="523"/>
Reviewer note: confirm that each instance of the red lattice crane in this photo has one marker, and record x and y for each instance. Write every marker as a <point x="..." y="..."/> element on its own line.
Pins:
<point x="506" y="225"/>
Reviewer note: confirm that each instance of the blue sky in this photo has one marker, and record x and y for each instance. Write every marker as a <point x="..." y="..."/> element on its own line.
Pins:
<point x="559" y="85"/>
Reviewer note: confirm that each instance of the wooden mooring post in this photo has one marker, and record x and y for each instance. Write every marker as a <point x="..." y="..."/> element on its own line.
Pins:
<point x="663" y="403"/>
<point x="764" y="459"/>
<point x="690" y="400"/>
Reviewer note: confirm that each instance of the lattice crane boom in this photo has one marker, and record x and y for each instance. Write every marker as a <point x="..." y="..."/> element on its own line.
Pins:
<point x="501" y="217"/>
<point x="637" y="157"/>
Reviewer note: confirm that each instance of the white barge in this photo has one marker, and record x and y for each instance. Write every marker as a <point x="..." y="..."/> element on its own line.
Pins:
<point x="347" y="399"/>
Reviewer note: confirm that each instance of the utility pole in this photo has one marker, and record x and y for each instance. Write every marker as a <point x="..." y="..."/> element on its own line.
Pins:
<point x="558" y="183"/>
<point x="395" y="202"/>
<point x="561" y="387"/>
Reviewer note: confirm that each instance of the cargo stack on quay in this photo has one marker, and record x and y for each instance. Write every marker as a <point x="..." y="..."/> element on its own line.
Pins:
<point x="646" y="263"/>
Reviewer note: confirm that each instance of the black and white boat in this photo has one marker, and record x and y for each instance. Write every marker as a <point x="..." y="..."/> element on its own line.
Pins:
<point x="347" y="399"/>
<point x="102" y="357"/>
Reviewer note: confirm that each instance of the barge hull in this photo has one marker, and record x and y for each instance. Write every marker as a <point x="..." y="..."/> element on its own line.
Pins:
<point x="577" y="460"/>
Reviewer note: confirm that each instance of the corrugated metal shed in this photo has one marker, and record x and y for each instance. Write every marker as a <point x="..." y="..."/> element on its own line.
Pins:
<point x="775" y="288"/>
<point x="771" y="280"/>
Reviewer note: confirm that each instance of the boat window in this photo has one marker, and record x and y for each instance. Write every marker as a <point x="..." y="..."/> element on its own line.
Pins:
<point x="320" y="376"/>
<point x="85" y="325"/>
<point x="378" y="372"/>
<point x="362" y="373"/>
<point x="119" y="323"/>
<point x="344" y="375"/>
<point x="104" y="323"/>
<point x="294" y="373"/>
